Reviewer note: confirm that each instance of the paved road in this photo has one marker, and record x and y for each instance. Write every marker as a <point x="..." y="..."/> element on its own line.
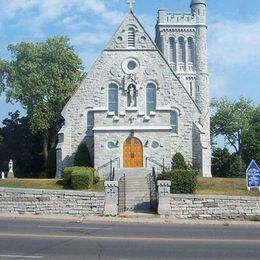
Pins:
<point x="55" y="240"/>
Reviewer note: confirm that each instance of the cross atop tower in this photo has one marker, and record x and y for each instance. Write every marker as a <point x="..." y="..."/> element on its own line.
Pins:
<point x="131" y="4"/>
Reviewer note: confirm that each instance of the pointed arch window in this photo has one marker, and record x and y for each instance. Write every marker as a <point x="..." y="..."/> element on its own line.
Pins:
<point x="181" y="50"/>
<point x="150" y="98"/>
<point x="113" y="99"/>
<point x="172" y="50"/>
<point x="191" y="51"/>
<point x="174" y="122"/>
<point x="131" y="37"/>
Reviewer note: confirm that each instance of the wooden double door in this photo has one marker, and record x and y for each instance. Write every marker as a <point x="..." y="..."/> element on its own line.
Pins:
<point x="133" y="153"/>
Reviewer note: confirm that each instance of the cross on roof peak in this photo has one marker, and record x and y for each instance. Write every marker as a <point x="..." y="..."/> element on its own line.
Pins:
<point x="131" y="4"/>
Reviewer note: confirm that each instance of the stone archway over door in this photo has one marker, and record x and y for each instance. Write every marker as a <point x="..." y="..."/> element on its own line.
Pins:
<point x="133" y="153"/>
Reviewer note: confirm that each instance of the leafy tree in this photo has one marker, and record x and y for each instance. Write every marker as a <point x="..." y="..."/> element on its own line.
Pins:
<point x="178" y="162"/>
<point x="42" y="77"/>
<point x="20" y="145"/>
<point x="82" y="157"/>
<point x="220" y="162"/>
<point x="230" y="119"/>
<point x="251" y="139"/>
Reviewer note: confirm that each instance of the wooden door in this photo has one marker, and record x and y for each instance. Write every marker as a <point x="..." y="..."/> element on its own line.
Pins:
<point x="133" y="153"/>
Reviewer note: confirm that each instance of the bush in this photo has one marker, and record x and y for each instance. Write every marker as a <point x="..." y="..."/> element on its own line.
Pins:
<point x="50" y="165"/>
<point x="182" y="181"/>
<point x="96" y="179"/>
<point x="178" y="162"/>
<point x="80" y="180"/>
<point x="82" y="157"/>
<point x="72" y="177"/>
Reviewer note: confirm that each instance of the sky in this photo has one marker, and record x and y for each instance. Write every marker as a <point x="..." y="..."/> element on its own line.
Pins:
<point x="233" y="35"/>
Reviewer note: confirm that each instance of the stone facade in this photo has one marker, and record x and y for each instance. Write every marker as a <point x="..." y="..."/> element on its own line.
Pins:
<point x="51" y="202"/>
<point x="131" y="63"/>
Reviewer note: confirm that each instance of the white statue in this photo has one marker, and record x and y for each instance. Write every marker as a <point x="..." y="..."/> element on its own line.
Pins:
<point x="11" y="165"/>
<point x="131" y="96"/>
<point x="3" y="176"/>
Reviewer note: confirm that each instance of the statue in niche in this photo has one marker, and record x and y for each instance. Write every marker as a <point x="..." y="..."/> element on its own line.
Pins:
<point x="131" y="96"/>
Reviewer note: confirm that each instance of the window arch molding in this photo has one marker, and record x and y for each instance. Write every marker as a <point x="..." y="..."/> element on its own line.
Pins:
<point x="131" y="36"/>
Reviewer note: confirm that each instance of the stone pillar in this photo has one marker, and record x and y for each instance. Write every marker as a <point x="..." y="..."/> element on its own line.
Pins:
<point x="111" y="198"/>
<point x="164" y="197"/>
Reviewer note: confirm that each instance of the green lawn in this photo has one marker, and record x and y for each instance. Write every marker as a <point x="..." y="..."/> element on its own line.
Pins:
<point x="214" y="186"/>
<point x="224" y="186"/>
<point x="52" y="184"/>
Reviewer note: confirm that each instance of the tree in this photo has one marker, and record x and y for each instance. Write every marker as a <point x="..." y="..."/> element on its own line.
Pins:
<point x="42" y="77"/>
<point x="82" y="157"/>
<point x="20" y="145"/>
<point x="220" y="162"/>
<point x="178" y="162"/>
<point x="251" y="139"/>
<point x="230" y="119"/>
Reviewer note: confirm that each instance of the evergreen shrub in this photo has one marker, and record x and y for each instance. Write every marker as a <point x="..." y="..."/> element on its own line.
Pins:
<point x="182" y="181"/>
<point x="80" y="180"/>
<point x="178" y="162"/>
<point x="82" y="157"/>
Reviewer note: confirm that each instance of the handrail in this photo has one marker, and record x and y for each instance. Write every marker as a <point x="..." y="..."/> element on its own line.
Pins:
<point x="111" y="170"/>
<point x="153" y="161"/>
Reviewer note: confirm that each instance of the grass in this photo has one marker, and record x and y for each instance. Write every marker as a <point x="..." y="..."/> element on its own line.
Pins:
<point x="224" y="186"/>
<point x="50" y="184"/>
<point x="206" y="186"/>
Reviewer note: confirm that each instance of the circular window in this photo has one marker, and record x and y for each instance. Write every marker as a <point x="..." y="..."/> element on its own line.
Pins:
<point x="130" y="66"/>
<point x="155" y="144"/>
<point x="119" y="39"/>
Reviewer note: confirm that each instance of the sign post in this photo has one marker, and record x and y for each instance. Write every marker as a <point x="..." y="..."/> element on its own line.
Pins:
<point x="253" y="176"/>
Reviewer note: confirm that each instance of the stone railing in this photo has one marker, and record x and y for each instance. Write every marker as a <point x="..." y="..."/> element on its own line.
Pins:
<point x="205" y="206"/>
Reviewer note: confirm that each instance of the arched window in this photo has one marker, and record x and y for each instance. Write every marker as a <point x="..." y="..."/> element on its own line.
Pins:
<point x="172" y="50"/>
<point x="90" y="123"/>
<point x="131" y="37"/>
<point x="150" y="98"/>
<point x="113" y="99"/>
<point x="191" y="50"/>
<point x="174" y="122"/>
<point x="191" y="88"/>
<point x="181" y="51"/>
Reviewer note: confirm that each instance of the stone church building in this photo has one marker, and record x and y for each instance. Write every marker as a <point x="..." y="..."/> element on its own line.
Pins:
<point x="143" y="101"/>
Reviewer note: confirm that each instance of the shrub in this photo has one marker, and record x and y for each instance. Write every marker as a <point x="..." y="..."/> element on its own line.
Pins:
<point x="178" y="162"/>
<point x="50" y="165"/>
<point x="96" y="179"/>
<point x="80" y="180"/>
<point x="72" y="177"/>
<point x="182" y="181"/>
<point x="237" y="166"/>
<point x="82" y="157"/>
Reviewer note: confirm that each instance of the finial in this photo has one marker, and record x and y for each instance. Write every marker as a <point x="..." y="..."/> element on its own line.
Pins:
<point x="131" y="4"/>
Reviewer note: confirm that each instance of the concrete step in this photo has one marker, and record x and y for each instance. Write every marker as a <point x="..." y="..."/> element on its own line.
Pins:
<point x="131" y="172"/>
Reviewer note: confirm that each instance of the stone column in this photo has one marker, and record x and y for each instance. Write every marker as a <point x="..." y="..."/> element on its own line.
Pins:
<point x="111" y="198"/>
<point x="164" y="197"/>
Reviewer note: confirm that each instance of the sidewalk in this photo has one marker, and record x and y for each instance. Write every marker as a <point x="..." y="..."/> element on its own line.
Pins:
<point x="130" y="217"/>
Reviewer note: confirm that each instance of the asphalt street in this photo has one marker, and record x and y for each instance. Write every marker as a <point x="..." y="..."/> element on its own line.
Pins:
<point x="53" y="239"/>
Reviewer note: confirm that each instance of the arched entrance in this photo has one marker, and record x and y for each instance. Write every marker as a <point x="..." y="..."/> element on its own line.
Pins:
<point x="133" y="153"/>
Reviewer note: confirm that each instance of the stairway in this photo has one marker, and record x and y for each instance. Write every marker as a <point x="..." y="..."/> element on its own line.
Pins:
<point x="136" y="189"/>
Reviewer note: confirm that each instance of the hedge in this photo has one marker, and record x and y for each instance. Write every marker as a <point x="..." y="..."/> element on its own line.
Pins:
<point x="182" y="181"/>
<point x="75" y="177"/>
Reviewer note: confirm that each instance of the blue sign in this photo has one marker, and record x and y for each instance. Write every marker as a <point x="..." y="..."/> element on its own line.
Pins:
<point x="253" y="175"/>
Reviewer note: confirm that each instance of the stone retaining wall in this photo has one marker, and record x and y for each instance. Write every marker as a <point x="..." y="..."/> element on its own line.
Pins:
<point x="51" y="202"/>
<point x="213" y="207"/>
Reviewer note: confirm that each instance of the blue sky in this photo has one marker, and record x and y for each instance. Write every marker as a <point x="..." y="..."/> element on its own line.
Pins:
<point x="233" y="38"/>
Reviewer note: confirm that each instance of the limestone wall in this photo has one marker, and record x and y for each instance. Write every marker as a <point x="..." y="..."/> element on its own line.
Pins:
<point x="214" y="207"/>
<point x="51" y="202"/>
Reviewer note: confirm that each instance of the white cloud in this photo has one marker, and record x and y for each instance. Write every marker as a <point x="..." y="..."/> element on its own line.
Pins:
<point x="233" y="46"/>
<point x="234" y="43"/>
